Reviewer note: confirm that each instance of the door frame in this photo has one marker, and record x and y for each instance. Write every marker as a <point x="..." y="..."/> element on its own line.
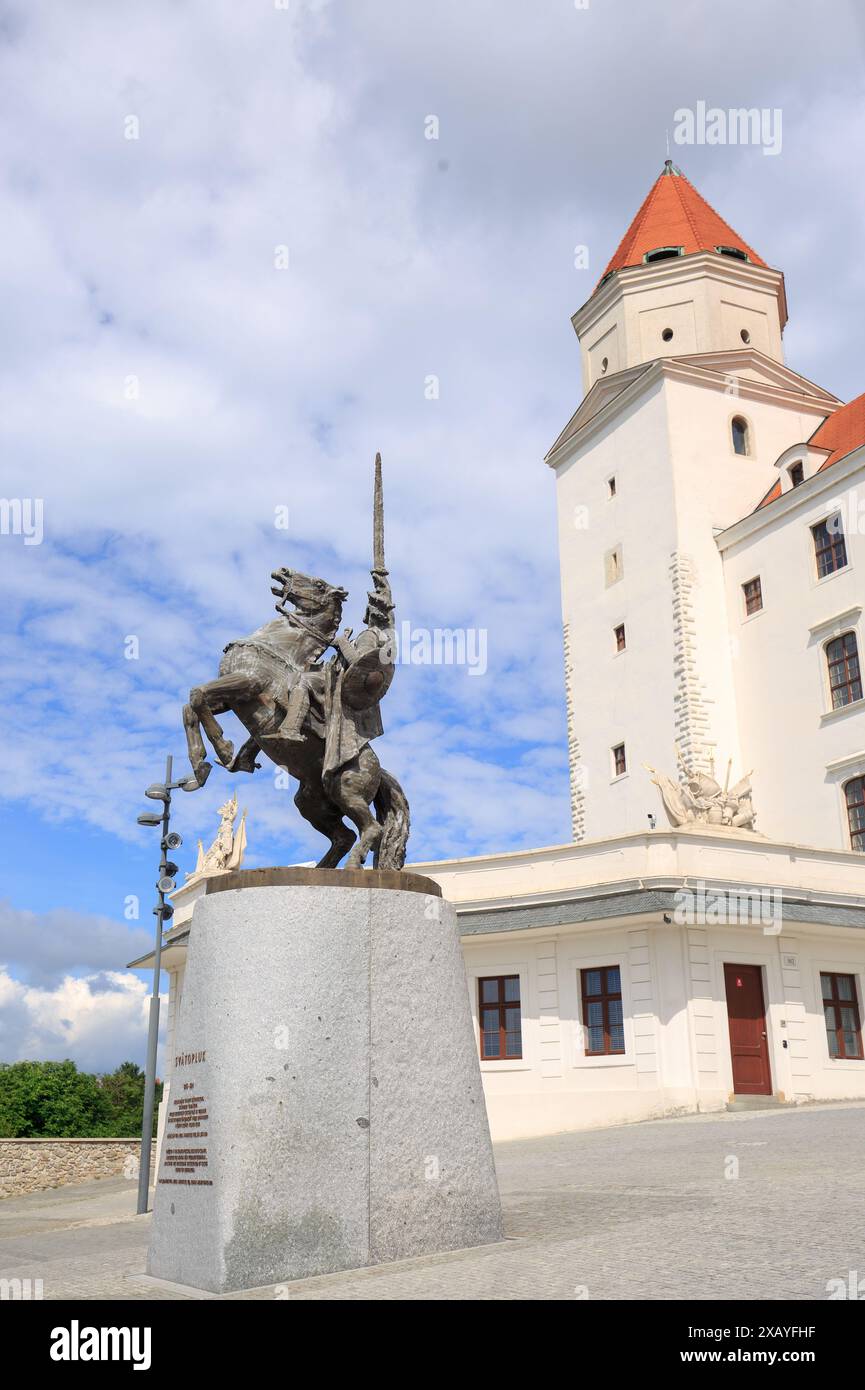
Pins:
<point x="761" y="966"/>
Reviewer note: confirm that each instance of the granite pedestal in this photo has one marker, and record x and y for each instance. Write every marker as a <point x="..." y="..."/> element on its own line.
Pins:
<point x="326" y="1108"/>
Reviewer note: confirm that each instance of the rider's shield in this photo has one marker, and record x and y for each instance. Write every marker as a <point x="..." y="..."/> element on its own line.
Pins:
<point x="367" y="679"/>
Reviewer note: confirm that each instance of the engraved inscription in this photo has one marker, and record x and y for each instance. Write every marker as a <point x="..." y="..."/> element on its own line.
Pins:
<point x="186" y="1120"/>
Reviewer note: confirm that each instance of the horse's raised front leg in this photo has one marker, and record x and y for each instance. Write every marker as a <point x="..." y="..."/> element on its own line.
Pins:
<point x="217" y="696"/>
<point x="201" y="768"/>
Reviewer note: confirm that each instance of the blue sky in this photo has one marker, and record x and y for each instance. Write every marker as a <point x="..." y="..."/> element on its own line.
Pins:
<point x="165" y="388"/>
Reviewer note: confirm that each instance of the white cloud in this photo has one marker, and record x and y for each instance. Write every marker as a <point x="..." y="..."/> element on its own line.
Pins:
<point x="98" y="1020"/>
<point x="154" y="259"/>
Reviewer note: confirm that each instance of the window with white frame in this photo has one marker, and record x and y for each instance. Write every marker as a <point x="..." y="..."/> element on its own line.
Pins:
<point x="842" y="665"/>
<point x="830" y="546"/>
<point x="854" y="801"/>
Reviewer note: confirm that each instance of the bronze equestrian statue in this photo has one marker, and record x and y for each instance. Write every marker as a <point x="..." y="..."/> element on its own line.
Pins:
<point x="315" y="719"/>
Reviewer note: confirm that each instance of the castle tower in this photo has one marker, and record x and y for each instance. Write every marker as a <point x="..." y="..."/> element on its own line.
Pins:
<point x="687" y="407"/>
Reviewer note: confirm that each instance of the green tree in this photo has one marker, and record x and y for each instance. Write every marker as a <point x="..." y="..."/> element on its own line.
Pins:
<point x="48" y="1100"/>
<point x="52" y="1100"/>
<point x="125" y="1091"/>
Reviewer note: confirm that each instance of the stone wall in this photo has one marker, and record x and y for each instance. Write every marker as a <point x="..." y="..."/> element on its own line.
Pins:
<point x="29" y="1165"/>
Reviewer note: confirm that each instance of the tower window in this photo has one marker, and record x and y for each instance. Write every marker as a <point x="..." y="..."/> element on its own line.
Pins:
<point x="830" y="547"/>
<point x="753" y="592"/>
<point x="619" y="634"/>
<point x="745" y="336"/>
<point x="605" y="362"/>
<point x="613" y="566"/>
<point x="611" y="484"/>
<point x="796" y="473"/>
<point x="845" y="678"/>
<point x="620" y="762"/>
<point x="740" y="435"/>
<point x="735" y="251"/>
<point x="667" y="335"/>
<point x="854" y="795"/>
<point x="662" y="253"/>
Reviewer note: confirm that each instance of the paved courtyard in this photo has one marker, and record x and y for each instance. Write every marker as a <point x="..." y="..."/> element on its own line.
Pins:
<point x="639" y="1212"/>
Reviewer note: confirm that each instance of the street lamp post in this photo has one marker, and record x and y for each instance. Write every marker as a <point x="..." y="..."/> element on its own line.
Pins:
<point x="163" y="912"/>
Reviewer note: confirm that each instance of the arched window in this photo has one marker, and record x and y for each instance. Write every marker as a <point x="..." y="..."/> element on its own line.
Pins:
<point x="845" y="678"/>
<point x="662" y="253"/>
<point x="854" y="795"/>
<point x="741" y="435"/>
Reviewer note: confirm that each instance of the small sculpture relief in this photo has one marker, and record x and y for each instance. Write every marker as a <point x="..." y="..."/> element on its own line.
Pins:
<point x="699" y="799"/>
<point x="227" y="850"/>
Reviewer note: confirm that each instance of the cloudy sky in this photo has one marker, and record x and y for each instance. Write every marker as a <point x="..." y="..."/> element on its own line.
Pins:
<point x="233" y="260"/>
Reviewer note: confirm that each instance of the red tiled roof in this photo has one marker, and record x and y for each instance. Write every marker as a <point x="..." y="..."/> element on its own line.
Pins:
<point x="771" y="496"/>
<point x="842" y="433"/>
<point x="674" y="214"/>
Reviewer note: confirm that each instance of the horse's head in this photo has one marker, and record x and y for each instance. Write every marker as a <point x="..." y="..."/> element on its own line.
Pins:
<point x="318" y="602"/>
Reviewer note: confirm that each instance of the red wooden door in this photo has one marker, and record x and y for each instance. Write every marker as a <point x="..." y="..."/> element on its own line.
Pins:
<point x="749" y="1045"/>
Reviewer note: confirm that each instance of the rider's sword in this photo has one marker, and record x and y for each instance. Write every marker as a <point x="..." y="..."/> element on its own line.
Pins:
<point x="378" y="522"/>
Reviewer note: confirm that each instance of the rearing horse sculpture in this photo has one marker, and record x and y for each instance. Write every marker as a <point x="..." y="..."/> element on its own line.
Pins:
<point x="315" y="720"/>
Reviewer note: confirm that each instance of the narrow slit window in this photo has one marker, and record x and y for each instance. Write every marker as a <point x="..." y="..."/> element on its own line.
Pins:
<point x="619" y="634"/>
<point x="740" y="435"/>
<point x="620" y="762"/>
<point x="753" y="592"/>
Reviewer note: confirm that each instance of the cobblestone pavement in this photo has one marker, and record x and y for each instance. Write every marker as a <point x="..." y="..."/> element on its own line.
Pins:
<point x="637" y="1212"/>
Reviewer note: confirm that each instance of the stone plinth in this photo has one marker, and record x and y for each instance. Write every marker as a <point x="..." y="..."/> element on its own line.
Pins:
<point x="326" y="1104"/>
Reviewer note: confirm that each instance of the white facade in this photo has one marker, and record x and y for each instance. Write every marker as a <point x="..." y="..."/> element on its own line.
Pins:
<point x="665" y="443"/>
<point x="550" y="914"/>
<point x="786" y="718"/>
<point x="704" y="303"/>
<point x="660" y="527"/>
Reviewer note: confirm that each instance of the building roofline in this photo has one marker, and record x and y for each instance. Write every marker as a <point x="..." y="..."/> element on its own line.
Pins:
<point x="765" y="513"/>
<point x="695" y="367"/>
<point x="682" y="268"/>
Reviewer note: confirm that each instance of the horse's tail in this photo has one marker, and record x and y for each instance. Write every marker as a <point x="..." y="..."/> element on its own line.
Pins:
<point x="392" y="813"/>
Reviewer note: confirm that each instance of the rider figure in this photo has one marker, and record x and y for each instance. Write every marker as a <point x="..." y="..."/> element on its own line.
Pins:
<point x="308" y="687"/>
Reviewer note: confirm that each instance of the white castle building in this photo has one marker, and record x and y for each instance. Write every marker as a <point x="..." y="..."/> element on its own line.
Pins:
<point x="701" y="942"/>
